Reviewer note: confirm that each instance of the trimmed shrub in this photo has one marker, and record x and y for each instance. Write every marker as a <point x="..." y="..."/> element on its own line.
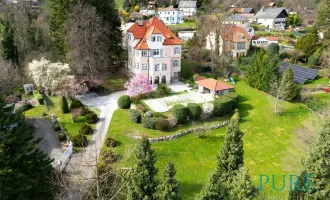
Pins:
<point x="56" y="127"/>
<point x="162" y="124"/>
<point x="194" y="111"/>
<point x="64" y="105"/>
<point x="149" y="122"/>
<point x="222" y="106"/>
<point x="86" y="129"/>
<point x="76" y="104"/>
<point x="110" y="142"/>
<point x="124" y="102"/>
<point x="61" y="137"/>
<point x="79" y="140"/>
<point x="135" y="116"/>
<point x="25" y="107"/>
<point x="38" y="96"/>
<point x="91" y="117"/>
<point x="234" y="97"/>
<point x="161" y="91"/>
<point x="180" y="112"/>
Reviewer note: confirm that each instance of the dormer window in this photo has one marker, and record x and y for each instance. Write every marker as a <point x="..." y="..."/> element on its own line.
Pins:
<point x="159" y="38"/>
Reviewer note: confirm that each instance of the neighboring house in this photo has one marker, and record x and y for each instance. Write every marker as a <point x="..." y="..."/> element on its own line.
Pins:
<point x="188" y="7"/>
<point x="233" y="40"/>
<point x="272" y="18"/>
<point x="148" y="12"/>
<point x="213" y="86"/>
<point x="240" y="21"/>
<point x="259" y="41"/>
<point x="153" y="50"/>
<point x="124" y="29"/>
<point x="186" y="35"/>
<point x="136" y="15"/>
<point x="249" y="16"/>
<point x="241" y="10"/>
<point x="170" y="15"/>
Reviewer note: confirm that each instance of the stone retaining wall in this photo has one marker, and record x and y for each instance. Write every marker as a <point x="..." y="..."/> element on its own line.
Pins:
<point x="185" y="132"/>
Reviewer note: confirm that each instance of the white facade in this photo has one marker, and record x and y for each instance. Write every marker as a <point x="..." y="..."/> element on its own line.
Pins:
<point x="186" y="35"/>
<point x="188" y="7"/>
<point x="263" y="42"/>
<point x="171" y="16"/>
<point x="187" y="12"/>
<point x="161" y="62"/>
<point x="148" y="12"/>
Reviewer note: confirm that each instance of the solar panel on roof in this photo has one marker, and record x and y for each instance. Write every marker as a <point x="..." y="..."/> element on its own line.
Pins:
<point x="301" y="74"/>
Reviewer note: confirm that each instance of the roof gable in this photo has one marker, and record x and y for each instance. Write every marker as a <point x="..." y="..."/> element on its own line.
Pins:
<point x="271" y="13"/>
<point x="214" y="85"/>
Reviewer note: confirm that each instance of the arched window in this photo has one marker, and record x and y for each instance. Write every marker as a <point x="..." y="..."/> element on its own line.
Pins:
<point x="176" y="50"/>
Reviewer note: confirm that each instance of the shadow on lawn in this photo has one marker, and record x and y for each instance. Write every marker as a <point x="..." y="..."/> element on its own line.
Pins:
<point x="244" y="108"/>
<point x="48" y="101"/>
<point x="188" y="187"/>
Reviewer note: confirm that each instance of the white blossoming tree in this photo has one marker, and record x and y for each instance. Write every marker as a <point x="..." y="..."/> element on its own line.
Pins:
<point x="51" y="77"/>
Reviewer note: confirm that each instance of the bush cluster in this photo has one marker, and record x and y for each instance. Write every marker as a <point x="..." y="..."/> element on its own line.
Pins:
<point x="56" y="127"/>
<point x="86" y="130"/>
<point x="180" y="112"/>
<point x="234" y="97"/>
<point x="194" y="111"/>
<point x="79" y="140"/>
<point x="135" y="116"/>
<point x="161" y="91"/>
<point x="162" y="124"/>
<point x="124" y="102"/>
<point x="222" y="106"/>
<point x="61" y="137"/>
<point x="149" y="122"/>
<point x="76" y="104"/>
<point x="25" y="107"/>
<point x="38" y="96"/>
<point x="91" y="117"/>
<point x="110" y="142"/>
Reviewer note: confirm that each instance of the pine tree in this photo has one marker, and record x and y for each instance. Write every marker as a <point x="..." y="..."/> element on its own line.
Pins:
<point x="213" y="190"/>
<point x="58" y="19"/>
<point x="290" y="88"/>
<point x="273" y="49"/>
<point x="168" y="189"/>
<point x="142" y="183"/>
<point x="256" y="73"/>
<point x="25" y="170"/>
<point x="64" y="105"/>
<point x="272" y="72"/>
<point x="317" y="167"/>
<point x="8" y="43"/>
<point x="242" y="187"/>
<point x="107" y="9"/>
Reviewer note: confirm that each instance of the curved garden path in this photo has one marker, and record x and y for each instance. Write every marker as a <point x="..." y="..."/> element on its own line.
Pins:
<point x="82" y="165"/>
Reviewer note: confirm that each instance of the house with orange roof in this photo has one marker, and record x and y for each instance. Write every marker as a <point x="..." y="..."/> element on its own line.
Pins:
<point x="153" y="50"/>
<point x="264" y="42"/>
<point x="233" y="40"/>
<point x="213" y="86"/>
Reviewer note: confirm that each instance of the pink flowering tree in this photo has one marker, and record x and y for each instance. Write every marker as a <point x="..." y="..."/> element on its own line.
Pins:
<point x="139" y="84"/>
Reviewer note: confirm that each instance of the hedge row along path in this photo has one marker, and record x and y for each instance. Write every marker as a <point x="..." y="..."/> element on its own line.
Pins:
<point x="82" y="165"/>
<point x="185" y="132"/>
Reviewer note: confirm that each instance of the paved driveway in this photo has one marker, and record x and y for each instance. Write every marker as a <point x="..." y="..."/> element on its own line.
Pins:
<point x="49" y="143"/>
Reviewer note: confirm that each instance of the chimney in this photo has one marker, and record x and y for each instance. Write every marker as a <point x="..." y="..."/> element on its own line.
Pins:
<point x="140" y="22"/>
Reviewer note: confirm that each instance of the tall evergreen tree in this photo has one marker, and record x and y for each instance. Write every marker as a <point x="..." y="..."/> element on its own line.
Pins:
<point x="256" y="73"/>
<point x="273" y="49"/>
<point x="107" y="9"/>
<point x="25" y="170"/>
<point x="168" y="189"/>
<point x="142" y="184"/>
<point x="289" y="86"/>
<point x="8" y="43"/>
<point x="317" y="168"/>
<point x="272" y="72"/>
<point x="58" y="19"/>
<point x="64" y="105"/>
<point x="242" y="187"/>
<point x="228" y="162"/>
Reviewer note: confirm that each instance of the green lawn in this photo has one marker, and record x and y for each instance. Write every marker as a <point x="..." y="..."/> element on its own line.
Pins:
<point x="269" y="143"/>
<point x="70" y="127"/>
<point x="191" y="25"/>
<point x="119" y="3"/>
<point x="319" y="80"/>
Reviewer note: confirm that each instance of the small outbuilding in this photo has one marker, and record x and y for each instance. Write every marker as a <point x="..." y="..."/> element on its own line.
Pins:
<point x="213" y="86"/>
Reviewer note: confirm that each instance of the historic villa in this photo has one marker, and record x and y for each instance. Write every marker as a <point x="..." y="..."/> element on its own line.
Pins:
<point x="154" y="51"/>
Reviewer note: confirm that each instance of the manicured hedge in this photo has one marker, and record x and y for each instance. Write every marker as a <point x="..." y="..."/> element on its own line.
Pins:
<point x="194" y="111"/>
<point x="124" y="102"/>
<point x="233" y="96"/>
<point x="79" y="140"/>
<point x="110" y="142"/>
<point x="76" y="104"/>
<point x="149" y="122"/>
<point x="180" y="112"/>
<point x="223" y="105"/>
<point x="91" y="117"/>
<point x="86" y="129"/>
<point x="64" y="105"/>
<point x="162" y="124"/>
<point x="135" y="116"/>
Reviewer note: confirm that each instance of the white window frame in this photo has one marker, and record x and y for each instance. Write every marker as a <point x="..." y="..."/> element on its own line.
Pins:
<point x="164" y="66"/>
<point x="144" y="66"/>
<point x="175" y="63"/>
<point x="144" y="53"/>
<point x="157" y="67"/>
<point x="157" y="51"/>
<point x="153" y="39"/>
<point x="159" y="38"/>
<point x="137" y="65"/>
<point x="176" y="50"/>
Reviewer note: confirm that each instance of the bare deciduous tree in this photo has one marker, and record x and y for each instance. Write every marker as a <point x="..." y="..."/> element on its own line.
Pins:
<point x="87" y="37"/>
<point x="10" y="77"/>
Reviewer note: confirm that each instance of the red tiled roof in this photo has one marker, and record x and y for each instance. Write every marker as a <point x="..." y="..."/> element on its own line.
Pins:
<point x="152" y="26"/>
<point x="270" y="38"/>
<point x="214" y="85"/>
<point x="235" y="33"/>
